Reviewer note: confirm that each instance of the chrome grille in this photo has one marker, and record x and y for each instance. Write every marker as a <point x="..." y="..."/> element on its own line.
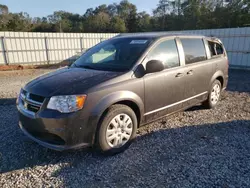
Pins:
<point x="31" y="102"/>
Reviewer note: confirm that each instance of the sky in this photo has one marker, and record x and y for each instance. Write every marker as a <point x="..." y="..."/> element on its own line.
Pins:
<point x="40" y="8"/>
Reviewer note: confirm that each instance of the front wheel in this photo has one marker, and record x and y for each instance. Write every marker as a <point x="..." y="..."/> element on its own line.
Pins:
<point x="214" y="95"/>
<point x="117" y="129"/>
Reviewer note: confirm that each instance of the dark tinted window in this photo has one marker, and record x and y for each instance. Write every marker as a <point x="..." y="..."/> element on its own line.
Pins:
<point x="194" y="50"/>
<point x="215" y="48"/>
<point x="212" y="49"/>
<point x="166" y="52"/>
<point x="219" y="49"/>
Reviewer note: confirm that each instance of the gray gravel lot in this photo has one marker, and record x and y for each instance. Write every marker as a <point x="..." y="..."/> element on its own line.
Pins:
<point x="12" y="81"/>
<point x="195" y="148"/>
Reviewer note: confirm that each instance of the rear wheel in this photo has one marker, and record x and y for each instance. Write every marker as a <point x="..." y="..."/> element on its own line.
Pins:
<point x="117" y="129"/>
<point x="214" y="95"/>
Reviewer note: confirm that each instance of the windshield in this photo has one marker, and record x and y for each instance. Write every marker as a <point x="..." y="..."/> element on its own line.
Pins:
<point x="117" y="54"/>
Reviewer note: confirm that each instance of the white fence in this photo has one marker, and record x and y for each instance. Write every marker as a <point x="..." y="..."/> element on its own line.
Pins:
<point x="38" y="48"/>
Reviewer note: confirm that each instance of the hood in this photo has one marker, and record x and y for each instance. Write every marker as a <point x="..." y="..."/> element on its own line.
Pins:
<point x="68" y="81"/>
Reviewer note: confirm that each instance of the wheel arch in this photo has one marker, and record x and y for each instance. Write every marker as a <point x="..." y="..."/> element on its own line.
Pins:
<point x="221" y="79"/>
<point x="128" y="98"/>
<point x="217" y="76"/>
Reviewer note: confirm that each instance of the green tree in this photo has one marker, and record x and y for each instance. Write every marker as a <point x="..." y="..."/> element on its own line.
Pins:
<point x="112" y="10"/>
<point x="127" y="11"/>
<point x="162" y="12"/>
<point x="19" y="22"/>
<point x="123" y="17"/>
<point x="97" y="23"/>
<point x="4" y="9"/>
<point x="143" y="22"/>
<point x="117" y="25"/>
<point x="61" y="21"/>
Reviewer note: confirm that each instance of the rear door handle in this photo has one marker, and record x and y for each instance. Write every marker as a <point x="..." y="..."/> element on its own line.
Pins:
<point x="178" y="75"/>
<point x="190" y="72"/>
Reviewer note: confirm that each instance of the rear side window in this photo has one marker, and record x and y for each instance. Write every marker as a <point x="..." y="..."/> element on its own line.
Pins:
<point x="212" y="49"/>
<point x="219" y="49"/>
<point x="215" y="48"/>
<point x="194" y="50"/>
<point x="166" y="52"/>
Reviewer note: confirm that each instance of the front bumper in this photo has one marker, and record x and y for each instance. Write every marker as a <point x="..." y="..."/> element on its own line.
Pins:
<point x="55" y="130"/>
<point x="52" y="146"/>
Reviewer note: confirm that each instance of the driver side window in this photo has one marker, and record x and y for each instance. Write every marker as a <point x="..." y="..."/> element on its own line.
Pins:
<point x="166" y="52"/>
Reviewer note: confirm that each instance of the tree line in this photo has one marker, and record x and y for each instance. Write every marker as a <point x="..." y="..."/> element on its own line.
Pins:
<point x="122" y="17"/>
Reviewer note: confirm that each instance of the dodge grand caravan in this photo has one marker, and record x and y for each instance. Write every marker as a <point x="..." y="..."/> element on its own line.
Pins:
<point x="119" y="85"/>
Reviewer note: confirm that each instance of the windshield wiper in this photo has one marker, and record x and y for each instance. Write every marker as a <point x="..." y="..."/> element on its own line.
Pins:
<point x="84" y="66"/>
<point x="87" y="67"/>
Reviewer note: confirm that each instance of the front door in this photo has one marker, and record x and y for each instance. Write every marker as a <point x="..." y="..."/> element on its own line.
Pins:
<point x="163" y="89"/>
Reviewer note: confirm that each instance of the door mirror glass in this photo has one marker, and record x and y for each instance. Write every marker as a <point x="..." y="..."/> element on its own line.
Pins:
<point x="154" y="66"/>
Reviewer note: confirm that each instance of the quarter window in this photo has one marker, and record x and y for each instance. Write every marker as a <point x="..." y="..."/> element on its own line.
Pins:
<point x="219" y="49"/>
<point x="166" y="52"/>
<point x="194" y="50"/>
<point x="215" y="48"/>
<point x="212" y="49"/>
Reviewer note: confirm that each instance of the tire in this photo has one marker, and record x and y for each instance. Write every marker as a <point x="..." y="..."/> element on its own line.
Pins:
<point x="214" y="95"/>
<point x="113" y="134"/>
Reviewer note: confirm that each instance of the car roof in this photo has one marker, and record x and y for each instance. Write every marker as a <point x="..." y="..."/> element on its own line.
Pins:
<point x="156" y="35"/>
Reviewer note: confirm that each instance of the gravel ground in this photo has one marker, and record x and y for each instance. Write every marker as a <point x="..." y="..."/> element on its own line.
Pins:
<point x="12" y="81"/>
<point x="195" y="148"/>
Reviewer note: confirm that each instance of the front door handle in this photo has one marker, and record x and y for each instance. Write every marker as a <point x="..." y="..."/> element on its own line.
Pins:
<point x="178" y="75"/>
<point x="190" y="72"/>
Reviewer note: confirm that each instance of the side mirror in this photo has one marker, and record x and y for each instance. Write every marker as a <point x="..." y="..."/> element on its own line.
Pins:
<point x="154" y="66"/>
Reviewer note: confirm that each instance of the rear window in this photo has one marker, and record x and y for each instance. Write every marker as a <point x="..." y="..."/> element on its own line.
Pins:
<point x="194" y="50"/>
<point x="215" y="48"/>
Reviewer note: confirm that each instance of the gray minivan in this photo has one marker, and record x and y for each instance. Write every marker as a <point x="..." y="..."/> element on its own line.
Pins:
<point x="119" y="85"/>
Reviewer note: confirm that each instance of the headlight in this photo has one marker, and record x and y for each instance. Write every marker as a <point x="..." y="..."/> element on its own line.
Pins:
<point x="67" y="103"/>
